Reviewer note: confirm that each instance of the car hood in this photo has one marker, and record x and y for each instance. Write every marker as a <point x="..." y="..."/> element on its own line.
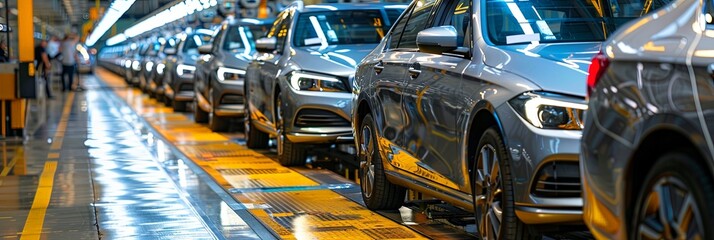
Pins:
<point x="339" y="60"/>
<point x="237" y="59"/>
<point x="559" y="67"/>
<point x="190" y="59"/>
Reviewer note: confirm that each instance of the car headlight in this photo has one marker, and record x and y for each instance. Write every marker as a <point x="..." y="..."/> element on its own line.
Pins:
<point x="136" y="65"/>
<point x="160" y="68"/>
<point x="550" y="110"/>
<point x="182" y="69"/>
<point x="229" y="74"/>
<point x="149" y="66"/>
<point x="314" y="82"/>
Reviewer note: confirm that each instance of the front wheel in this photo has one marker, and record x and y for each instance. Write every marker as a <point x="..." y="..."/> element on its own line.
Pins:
<point x="493" y="191"/>
<point x="289" y="153"/>
<point x="377" y="192"/>
<point x="673" y="204"/>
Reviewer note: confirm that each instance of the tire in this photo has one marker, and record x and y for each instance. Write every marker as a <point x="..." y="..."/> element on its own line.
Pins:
<point x="495" y="191"/>
<point x="217" y="124"/>
<point x="178" y="106"/>
<point x="377" y="192"/>
<point x="289" y="153"/>
<point x="679" y="176"/>
<point x="254" y="138"/>
<point x="167" y="101"/>
<point x="199" y="115"/>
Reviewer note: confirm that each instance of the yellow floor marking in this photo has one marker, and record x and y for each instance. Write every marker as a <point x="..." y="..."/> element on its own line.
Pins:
<point x="53" y="155"/>
<point x="36" y="218"/>
<point x="20" y="153"/>
<point x="293" y="213"/>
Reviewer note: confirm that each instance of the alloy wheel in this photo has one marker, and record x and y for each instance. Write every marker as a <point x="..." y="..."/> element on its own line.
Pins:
<point x="669" y="211"/>
<point x="367" y="163"/>
<point x="279" y="123"/>
<point x="489" y="190"/>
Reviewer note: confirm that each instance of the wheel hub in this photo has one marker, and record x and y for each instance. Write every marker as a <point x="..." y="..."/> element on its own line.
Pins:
<point x="669" y="211"/>
<point x="489" y="190"/>
<point x="367" y="164"/>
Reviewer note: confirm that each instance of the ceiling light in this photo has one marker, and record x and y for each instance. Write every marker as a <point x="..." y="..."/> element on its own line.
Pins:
<point x="115" y="11"/>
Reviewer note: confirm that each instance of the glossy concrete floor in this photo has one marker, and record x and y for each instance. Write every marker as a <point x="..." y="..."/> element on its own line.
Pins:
<point x="86" y="173"/>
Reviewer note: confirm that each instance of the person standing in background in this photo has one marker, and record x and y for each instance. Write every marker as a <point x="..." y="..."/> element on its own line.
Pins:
<point x="69" y="61"/>
<point x="3" y="52"/>
<point x="42" y="62"/>
<point x="53" y="47"/>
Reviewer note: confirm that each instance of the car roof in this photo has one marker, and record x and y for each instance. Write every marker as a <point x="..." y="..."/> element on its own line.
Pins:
<point x="349" y="6"/>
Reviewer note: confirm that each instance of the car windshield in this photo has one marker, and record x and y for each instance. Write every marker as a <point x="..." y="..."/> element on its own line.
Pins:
<point x="513" y="22"/>
<point x="339" y="27"/>
<point x="193" y="41"/>
<point x="239" y="37"/>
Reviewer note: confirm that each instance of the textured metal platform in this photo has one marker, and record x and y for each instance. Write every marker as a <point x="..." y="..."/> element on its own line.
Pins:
<point x="287" y="202"/>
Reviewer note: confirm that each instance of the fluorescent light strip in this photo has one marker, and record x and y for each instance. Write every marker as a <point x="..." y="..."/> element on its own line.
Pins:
<point x="169" y="15"/>
<point x="116" y="39"/>
<point x="117" y="9"/>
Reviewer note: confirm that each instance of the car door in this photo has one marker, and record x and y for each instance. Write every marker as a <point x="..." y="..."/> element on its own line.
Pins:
<point x="430" y="102"/>
<point x="262" y="88"/>
<point x="702" y="61"/>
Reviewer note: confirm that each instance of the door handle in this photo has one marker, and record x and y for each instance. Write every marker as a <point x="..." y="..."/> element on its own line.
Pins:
<point x="414" y="70"/>
<point x="379" y="67"/>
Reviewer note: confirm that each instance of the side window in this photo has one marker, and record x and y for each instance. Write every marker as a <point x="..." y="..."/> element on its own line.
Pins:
<point x="417" y="22"/>
<point x="282" y="34"/>
<point x="398" y="29"/>
<point x="459" y="16"/>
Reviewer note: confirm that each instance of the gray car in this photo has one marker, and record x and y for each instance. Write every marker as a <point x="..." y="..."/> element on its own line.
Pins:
<point x="647" y="153"/>
<point x="480" y="104"/>
<point x="220" y="73"/>
<point x="298" y="89"/>
<point x="178" y="67"/>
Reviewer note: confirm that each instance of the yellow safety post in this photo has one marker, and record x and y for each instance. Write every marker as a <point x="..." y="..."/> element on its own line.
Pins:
<point x="12" y="104"/>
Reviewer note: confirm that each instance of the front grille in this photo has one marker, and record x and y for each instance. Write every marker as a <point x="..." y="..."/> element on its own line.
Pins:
<point x="558" y="179"/>
<point x="232" y="99"/>
<point x="319" y="118"/>
<point x="186" y="87"/>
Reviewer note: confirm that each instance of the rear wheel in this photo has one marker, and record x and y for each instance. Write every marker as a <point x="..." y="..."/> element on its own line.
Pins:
<point x="254" y="138"/>
<point x="673" y="202"/>
<point x="179" y="106"/>
<point x="216" y="123"/>
<point x="167" y="101"/>
<point x="377" y="192"/>
<point x="493" y="191"/>
<point x="289" y="153"/>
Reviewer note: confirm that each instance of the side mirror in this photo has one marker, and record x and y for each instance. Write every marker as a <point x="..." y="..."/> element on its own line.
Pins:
<point x="437" y="40"/>
<point x="170" y="51"/>
<point x="266" y="44"/>
<point x="205" y="49"/>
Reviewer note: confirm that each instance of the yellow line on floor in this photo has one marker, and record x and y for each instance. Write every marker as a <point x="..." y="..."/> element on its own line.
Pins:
<point x="20" y="153"/>
<point x="61" y="126"/>
<point x="36" y="218"/>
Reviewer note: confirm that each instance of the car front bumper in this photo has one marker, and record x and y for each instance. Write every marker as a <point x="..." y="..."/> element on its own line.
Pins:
<point x="536" y="155"/>
<point x="332" y="105"/>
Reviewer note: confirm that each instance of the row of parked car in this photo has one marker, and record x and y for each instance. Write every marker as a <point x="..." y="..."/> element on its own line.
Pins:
<point x="535" y="115"/>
